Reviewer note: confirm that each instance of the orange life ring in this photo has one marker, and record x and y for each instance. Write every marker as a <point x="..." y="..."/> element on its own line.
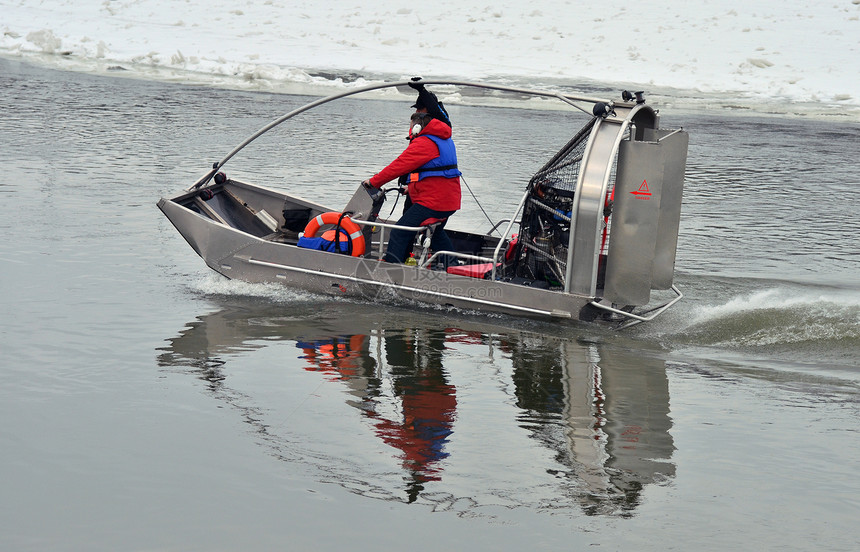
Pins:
<point x="332" y="218"/>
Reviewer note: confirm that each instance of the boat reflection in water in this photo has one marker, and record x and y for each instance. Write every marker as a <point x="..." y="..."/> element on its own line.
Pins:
<point x="602" y="409"/>
<point x="424" y="403"/>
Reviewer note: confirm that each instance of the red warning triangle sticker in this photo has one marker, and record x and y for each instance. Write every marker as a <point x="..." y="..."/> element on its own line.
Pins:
<point x="643" y="192"/>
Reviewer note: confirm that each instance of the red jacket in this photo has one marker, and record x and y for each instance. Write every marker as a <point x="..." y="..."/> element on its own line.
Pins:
<point x="434" y="192"/>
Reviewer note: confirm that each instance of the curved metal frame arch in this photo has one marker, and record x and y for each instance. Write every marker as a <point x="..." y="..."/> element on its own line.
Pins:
<point x="566" y="98"/>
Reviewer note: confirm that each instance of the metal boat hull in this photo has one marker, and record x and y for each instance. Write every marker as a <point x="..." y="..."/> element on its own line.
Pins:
<point x="242" y="256"/>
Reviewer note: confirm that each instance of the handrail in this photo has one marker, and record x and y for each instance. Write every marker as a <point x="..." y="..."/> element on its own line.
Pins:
<point x="501" y="221"/>
<point x="507" y="231"/>
<point x="456" y="254"/>
<point x="402" y="287"/>
<point x="388" y="225"/>
<point x="676" y="131"/>
<point x="418" y="229"/>
<point x="566" y="98"/>
<point x="635" y="318"/>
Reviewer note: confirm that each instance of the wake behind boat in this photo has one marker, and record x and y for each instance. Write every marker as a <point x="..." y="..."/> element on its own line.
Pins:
<point x="593" y="235"/>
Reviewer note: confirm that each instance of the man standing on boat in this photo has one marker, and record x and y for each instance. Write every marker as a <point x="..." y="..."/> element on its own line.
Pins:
<point x="430" y="160"/>
<point x="427" y="102"/>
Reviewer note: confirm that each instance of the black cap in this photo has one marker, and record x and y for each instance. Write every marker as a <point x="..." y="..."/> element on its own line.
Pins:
<point x="426" y="100"/>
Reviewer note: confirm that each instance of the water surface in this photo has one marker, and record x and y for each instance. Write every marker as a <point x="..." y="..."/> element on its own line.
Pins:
<point x="149" y="404"/>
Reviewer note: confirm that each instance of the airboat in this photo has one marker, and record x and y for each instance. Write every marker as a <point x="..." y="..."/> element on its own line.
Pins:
<point x="593" y="237"/>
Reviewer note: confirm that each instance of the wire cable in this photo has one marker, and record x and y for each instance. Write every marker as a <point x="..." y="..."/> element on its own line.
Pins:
<point x="481" y="207"/>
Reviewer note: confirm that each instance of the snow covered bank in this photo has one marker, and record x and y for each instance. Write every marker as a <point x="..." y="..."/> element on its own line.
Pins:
<point x="786" y="56"/>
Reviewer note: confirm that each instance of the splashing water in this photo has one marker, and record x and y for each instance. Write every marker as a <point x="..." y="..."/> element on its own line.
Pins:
<point x="217" y="285"/>
<point x="799" y="323"/>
